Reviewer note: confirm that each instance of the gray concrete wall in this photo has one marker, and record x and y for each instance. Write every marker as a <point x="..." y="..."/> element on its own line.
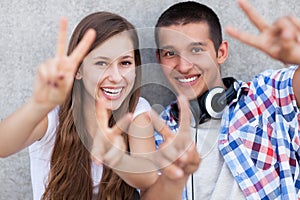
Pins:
<point x="28" y="32"/>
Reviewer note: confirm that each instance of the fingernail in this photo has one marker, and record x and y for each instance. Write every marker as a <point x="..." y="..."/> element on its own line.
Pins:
<point x="287" y="35"/>
<point x="179" y="173"/>
<point x="184" y="157"/>
<point x="298" y="39"/>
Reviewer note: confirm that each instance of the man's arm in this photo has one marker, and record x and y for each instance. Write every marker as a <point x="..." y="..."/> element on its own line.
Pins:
<point x="296" y="82"/>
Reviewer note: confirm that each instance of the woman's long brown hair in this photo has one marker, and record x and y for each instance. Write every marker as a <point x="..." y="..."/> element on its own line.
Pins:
<point x="70" y="174"/>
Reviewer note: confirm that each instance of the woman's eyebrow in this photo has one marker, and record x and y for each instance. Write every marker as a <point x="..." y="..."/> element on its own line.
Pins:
<point x="101" y="57"/>
<point x="127" y="56"/>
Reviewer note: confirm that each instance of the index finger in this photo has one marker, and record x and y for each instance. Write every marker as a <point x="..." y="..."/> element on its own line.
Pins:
<point x="160" y="125"/>
<point x="83" y="47"/>
<point x="62" y="38"/>
<point x="245" y="37"/>
<point x="255" y="18"/>
<point x="185" y="114"/>
<point x="102" y="116"/>
<point x="122" y="125"/>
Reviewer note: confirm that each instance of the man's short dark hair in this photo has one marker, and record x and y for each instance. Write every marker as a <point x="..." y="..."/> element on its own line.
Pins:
<point x="191" y="12"/>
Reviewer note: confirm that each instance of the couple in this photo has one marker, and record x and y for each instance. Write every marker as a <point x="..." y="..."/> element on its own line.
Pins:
<point x="75" y="122"/>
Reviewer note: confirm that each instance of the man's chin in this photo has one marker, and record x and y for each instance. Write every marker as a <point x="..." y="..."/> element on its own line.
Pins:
<point x="190" y="95"/>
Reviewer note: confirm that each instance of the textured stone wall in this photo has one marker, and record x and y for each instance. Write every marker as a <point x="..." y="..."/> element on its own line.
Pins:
<point x="28" y="33"/>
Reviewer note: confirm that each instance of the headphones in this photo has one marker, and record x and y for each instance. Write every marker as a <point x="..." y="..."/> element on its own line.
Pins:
<point x="212" y="103"/>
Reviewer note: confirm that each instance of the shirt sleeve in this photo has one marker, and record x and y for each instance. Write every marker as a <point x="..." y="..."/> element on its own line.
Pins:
<point x="53" y="121"/>
<point x="142" y="107"/>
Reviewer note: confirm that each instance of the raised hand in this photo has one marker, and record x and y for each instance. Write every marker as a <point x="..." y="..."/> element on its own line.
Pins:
<point x="55" y="77"/>
<point x="280" y="40"/>
<point x="108" y="144"/>
<point x="178" y="155"/>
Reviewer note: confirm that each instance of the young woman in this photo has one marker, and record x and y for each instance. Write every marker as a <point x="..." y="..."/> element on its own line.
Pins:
<point x="77" y="100"/>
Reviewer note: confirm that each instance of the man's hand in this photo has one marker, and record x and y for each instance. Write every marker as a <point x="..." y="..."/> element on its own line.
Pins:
<point x="280" y="40"/>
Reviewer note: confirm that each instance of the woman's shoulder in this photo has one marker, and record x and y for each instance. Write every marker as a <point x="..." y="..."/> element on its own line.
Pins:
<point x="52" y="125"/>
<point x="142" y="106"/>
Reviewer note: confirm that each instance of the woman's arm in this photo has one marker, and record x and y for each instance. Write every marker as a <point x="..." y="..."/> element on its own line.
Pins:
<point x="178" y="156"/>
<point x="52" y="85"/>
<point x="22" y="128"/>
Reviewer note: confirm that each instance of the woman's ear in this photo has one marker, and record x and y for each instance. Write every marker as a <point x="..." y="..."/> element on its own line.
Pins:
<point x="222" y="52"/>
<point x="78" y="75"/>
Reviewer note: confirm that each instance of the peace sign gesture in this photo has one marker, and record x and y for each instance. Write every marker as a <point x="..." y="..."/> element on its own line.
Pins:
<point x="281" y="40"/>
<point x="108" y="144"/>
<point x="178" y="155"/>
<point x="55" y="77"/>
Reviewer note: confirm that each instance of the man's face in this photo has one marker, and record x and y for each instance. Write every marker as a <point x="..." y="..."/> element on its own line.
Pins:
<point x="188" y="58"/>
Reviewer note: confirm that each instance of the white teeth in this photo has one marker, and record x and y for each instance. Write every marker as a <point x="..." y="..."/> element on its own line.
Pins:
<point x="187" y="80"/>
<point x="112" y="92"/>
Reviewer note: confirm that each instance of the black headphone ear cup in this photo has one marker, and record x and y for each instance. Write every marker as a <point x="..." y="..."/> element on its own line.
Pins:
<point x="203" y="115"/>
<point x="231" y="92"/>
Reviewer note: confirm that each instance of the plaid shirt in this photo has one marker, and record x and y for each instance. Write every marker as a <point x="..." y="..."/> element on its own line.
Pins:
<point x="259" y="137"/>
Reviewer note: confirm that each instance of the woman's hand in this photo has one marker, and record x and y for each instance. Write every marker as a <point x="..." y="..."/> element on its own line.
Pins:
<point x="177" y="156"/>
<point x="108" y="144"/>
<point x="55" y="77"/>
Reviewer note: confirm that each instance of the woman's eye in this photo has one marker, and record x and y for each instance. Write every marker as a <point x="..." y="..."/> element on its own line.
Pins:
<point x="101" y="63"/>
<point x="196" y="50"/>
<point x="126" y="63"/>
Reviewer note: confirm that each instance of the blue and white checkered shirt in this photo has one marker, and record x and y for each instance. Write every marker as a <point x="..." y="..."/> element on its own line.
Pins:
<point x="259" y="136"/>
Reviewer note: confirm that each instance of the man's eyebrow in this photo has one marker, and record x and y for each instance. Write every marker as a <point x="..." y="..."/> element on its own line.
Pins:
<point x="198" y="44"/>
<point x="166" y="47"/>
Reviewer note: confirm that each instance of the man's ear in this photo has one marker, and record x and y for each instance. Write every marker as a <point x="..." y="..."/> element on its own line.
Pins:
<point x="157" y="56"/>
<point x="222" y="52"/>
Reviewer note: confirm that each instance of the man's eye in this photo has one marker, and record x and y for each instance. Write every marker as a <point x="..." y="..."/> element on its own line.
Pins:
<point x="196" y="50"/>
<point x="169" y="53"/>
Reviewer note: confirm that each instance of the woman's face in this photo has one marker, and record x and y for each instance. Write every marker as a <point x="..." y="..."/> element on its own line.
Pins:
<point x="108" y="71"/>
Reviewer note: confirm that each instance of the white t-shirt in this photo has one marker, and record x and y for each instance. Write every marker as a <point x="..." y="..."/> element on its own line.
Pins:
<point x="40" y="153"/>
<point x="213" y="179"/>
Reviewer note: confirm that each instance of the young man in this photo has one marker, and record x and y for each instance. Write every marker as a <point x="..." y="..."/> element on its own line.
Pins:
<point x="254" y="152"/>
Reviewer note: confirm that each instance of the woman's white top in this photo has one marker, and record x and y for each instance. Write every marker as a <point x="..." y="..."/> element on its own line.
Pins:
<point x="40" y="153"/>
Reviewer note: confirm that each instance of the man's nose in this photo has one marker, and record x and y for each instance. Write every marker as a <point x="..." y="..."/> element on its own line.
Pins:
<point x="183" y="64"/>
